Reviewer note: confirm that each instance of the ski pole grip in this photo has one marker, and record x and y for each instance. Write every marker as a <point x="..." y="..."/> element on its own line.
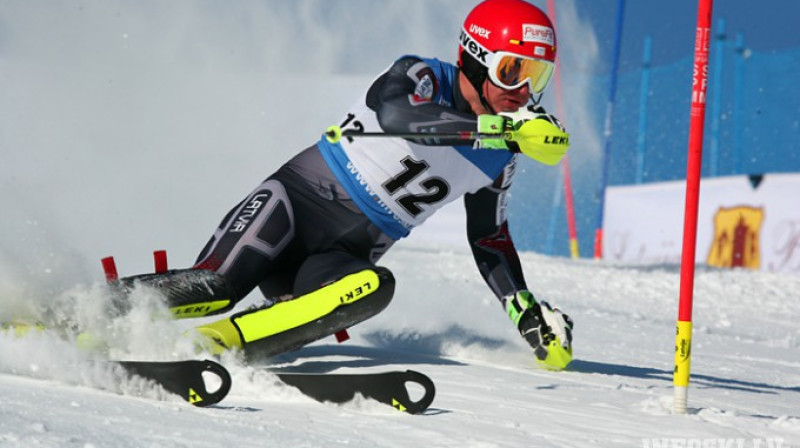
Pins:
<point x="333" y="134"/>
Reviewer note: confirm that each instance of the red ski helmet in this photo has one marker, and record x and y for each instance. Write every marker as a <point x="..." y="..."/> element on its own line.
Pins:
<point x="511" y="42"/>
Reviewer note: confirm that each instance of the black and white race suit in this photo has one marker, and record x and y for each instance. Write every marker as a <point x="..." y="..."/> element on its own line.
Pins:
<point x="337" y="207"/>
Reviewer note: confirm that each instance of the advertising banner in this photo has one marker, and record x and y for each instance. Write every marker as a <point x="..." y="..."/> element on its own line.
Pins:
<point x="743" y="221"/>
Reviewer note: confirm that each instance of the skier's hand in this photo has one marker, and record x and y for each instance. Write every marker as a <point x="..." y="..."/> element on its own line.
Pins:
<point x="529" y="130"/>
<point x="493" y="124"/>
<point x="532" y="112"/>
<point x="504" y="123"/>
<point x="539" y="135"/>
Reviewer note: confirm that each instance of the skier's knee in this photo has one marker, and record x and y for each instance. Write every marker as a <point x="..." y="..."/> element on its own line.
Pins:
<point x="386" y="286"/>
<point x="326" y="268"/>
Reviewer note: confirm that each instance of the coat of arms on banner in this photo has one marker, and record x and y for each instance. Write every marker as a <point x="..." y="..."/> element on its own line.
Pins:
<point x="737" y="236"/>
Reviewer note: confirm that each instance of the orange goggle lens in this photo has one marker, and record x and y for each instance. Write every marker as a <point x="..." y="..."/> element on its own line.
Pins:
<point x="512" y="71"/>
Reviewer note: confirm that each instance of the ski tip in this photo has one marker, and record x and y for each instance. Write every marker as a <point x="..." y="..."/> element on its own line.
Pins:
<point x="389" y="388"/>
<point x="202" y="397"/>
<point x="419" y="406"/>
<point x="184" y="378"/>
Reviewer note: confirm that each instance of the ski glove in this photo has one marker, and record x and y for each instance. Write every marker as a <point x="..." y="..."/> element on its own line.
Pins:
<point x="546" y="329"/>
<point x="493" y="124"/>
<point x="530" y="130"/>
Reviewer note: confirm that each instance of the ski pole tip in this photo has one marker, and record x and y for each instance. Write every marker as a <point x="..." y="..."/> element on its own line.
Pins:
<point x="333" y="134"/>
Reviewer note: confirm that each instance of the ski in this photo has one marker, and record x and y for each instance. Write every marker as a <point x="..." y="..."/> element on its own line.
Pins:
<point x="183" y="378"/>
<point x="388" y="387"/>
<point x="186" y="379"/>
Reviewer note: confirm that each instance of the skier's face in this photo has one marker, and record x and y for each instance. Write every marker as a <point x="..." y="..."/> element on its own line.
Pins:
<point x="503" y="100"/>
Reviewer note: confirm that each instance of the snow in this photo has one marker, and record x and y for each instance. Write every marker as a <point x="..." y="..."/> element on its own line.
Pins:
<point x="490" y="393"/>
<point x="132" y="126"/>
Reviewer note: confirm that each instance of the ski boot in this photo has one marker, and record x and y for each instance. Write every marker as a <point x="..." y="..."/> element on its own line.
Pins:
<point x="547" y="330"/>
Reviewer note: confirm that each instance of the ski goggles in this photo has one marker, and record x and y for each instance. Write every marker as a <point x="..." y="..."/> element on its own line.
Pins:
<point x="511" y="71"/>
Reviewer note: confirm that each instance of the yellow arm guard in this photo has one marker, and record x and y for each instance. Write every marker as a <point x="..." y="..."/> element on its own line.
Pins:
<point x="542" y="141"/>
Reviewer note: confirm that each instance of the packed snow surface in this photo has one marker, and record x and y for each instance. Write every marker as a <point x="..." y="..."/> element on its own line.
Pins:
<point x="443" y="321"/>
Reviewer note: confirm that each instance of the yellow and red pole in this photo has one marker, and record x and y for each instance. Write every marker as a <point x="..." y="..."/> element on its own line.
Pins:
<point x="565" y="172"/>
<point x="683" y="336"/>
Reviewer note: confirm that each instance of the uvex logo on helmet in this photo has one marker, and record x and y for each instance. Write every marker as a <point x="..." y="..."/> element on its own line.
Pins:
<point x="479" y="31"/>
<point x="475" y="49"/>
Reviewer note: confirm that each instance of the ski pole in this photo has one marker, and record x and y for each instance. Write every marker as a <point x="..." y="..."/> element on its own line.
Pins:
<point x="335" y="133"/>
<point x="547" y="146"/>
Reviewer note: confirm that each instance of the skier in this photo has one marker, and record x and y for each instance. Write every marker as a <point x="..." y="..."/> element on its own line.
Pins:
<point x="309" y="235"/>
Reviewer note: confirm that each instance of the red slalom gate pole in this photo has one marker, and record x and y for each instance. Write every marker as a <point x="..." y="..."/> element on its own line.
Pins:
<point x="568" y="202"/>
<point x="683" y="334"/>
